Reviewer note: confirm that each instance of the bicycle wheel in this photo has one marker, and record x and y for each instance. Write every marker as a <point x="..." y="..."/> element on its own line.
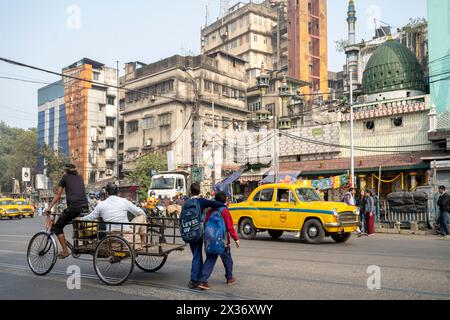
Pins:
<point x="150" y="263"/>
<point x="42" y="253"/>
<point x="113" y="260"/>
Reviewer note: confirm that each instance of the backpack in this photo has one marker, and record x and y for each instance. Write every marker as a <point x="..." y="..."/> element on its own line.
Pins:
<point x="215" y="233"/>
<point x="191" y="222"/>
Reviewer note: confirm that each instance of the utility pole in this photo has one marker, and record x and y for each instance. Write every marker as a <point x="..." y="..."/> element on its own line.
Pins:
<point x="117" y="125"/>
<point x="213" y="153"/>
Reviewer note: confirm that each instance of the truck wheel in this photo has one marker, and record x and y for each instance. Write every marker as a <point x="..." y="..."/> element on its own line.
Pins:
<point x="341" y="238"/>
<point x="313" y="232"/>
<point x="275" y="234"/>
<point x="247" y="229"/>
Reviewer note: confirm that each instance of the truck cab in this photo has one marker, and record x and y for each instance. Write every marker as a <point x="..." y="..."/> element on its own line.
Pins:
<point x="169" y="184"/>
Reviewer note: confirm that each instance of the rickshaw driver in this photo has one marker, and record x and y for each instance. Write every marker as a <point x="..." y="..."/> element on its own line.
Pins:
<point x="77" y="202"/>
<point x="115" y="209"/>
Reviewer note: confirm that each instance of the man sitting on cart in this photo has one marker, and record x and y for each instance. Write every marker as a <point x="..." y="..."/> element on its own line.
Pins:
<point x="115" y="209"/>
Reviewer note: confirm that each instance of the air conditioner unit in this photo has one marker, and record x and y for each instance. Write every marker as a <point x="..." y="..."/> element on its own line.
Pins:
<point x="148" y="143"/>
<point x="109" y="172"/>
<point x="152" y="98"/>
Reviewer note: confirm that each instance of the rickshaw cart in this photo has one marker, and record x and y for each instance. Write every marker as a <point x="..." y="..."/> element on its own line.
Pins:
<point x="115" y="247"/>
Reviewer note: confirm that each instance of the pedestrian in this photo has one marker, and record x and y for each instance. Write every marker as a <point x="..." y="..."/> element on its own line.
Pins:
<point x="361" y="203"/>
<point x="227" y="260"/>
<point x="349" y="197"/>
<point x="40" y="209"/>
<point x="444" y="209"/>
<point x="369" y="212"/>
<point x="197" y="244"/>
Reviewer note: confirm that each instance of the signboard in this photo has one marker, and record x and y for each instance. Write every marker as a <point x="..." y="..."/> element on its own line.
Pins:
<point x="170" y="161"/>
<point x="40" y="182"/>
<point x="198" y="174"/>
<point x="26" y="175"/>
<point x="442" y="164"/>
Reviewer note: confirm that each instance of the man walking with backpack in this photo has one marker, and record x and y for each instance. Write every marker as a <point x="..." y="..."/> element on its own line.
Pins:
<point x="218" y="225"/>
<point x="191" y="229"/>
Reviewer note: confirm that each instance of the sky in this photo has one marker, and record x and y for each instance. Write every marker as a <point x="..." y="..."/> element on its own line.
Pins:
<point x="52" y="34"/>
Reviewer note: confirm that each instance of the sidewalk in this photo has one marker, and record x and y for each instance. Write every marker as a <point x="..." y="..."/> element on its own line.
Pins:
<point x="379" y="228"/>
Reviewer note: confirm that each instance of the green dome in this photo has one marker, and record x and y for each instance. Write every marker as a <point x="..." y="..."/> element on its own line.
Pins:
<point x="392" y="67"/>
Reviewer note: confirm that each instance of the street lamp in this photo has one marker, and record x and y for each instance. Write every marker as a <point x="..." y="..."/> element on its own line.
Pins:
<point x="352" y="145"/>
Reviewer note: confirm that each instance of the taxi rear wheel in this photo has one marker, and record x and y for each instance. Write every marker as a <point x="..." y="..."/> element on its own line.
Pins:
<point x="275" y="234"/>
<point x="313" y="232"/>
<point x="341" y="238"/>
<point x="247" y="229"/>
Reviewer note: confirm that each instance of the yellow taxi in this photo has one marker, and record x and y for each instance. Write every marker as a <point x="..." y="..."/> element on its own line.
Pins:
<point x="277" y="208"/>
<point x="26" y="210"/>
<point x="9" y="209"/>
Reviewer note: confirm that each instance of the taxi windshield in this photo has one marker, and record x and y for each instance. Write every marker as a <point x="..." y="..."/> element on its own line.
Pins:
<point x="6" y="202"/>
<point x="307" y="195"/>
<point x="20" y="202"/>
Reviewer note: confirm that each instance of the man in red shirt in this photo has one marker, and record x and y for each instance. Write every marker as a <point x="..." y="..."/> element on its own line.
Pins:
<point x="227" y="260"/>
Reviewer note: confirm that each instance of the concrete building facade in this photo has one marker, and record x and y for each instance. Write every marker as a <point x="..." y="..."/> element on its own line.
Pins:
<point x="307" y="38"/>
<point x="246" y="32"/>
<point x="160" y="109"/>
<point x="77" y="118"/>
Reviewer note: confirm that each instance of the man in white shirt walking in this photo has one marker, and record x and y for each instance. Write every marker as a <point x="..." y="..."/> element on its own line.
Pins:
<point x="115" y="209"/>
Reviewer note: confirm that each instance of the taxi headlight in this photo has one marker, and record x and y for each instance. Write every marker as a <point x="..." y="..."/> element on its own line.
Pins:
<point x="335" y="212"/>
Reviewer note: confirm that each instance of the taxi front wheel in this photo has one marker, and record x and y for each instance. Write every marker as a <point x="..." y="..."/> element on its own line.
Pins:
<point x="247" y="229"/>
<point x="313" y="232"/>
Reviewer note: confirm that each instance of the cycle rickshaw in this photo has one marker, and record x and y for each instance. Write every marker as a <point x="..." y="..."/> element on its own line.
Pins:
<point x="115" y="247"/>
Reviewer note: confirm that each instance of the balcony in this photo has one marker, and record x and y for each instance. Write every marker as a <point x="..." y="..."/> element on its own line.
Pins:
<point x="110" y="133"/>
<point x="110" y="155"/>
<point x="110" y="111"/>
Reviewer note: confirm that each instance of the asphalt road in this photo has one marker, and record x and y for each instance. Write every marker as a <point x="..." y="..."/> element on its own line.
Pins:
<point x="411" y="267"/>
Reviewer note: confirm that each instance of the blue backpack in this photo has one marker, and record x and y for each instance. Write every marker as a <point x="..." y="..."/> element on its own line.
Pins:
<point x="215" y="233"/>
<point x="191" y="222"/>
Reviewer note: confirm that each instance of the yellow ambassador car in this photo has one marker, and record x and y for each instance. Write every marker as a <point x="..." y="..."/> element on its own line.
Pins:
<point x="26" y="210"/>
<point x="9" y="209"/>
<point x="277" y="208"/>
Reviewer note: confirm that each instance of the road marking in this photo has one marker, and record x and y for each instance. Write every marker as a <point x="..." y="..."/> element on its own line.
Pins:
<point x="15" y="236"/>
<point x="217" y="294"/>
<point x="15" y="241"/>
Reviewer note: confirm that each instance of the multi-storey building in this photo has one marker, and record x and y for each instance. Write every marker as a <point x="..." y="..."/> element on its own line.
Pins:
<point x="52" y="122"/>
<point x="307" y="52"/>
<point x="171" y="106"/>
<point x="77" y="116"/>
<point x="246" y="32"/>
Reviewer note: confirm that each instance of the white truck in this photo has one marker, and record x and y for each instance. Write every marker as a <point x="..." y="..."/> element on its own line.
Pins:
<point x="169" y="184"/>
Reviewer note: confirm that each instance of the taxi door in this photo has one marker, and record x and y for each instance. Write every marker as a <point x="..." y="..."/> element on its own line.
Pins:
<point x="261" y="206"/>
<point x="285" y="215"/>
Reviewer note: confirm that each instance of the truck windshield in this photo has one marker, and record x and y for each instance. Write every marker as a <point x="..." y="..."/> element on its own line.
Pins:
<point x="307" y="195"/>
<point x="162" y="183"/>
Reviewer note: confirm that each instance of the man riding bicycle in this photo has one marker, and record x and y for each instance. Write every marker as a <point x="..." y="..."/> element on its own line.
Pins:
<point x="76" y="200"/>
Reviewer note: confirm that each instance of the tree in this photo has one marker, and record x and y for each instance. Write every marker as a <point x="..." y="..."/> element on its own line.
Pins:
<point x="54" y="164"/>
<point x="340" y="45"/>
<point x="143" y="170"/>
<point x="18" y="149"/>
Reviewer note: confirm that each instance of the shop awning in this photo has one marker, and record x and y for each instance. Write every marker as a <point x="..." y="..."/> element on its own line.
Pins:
<point x="281" y="176"/>
<point x="225" y="185"/>
<point x="254" y="175"/>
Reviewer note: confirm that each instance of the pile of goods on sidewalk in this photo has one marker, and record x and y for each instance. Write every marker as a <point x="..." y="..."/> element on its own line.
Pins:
<point x="408" y="202"/>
